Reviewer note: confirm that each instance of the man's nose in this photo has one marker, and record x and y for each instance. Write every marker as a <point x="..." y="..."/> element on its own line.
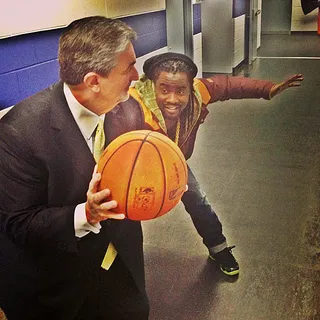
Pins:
<point x="172" y="98"/>
<point x="135" y="74"/>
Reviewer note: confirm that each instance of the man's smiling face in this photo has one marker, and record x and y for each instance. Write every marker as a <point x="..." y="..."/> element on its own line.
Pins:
<point x="172" y="93"/>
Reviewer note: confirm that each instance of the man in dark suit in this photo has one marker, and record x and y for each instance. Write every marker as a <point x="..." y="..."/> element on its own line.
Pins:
<point x="56" y="230"/>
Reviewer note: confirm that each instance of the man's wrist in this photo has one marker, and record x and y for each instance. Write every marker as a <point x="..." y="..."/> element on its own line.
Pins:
<point x="89" y="216"/>
<point x="81" y="224"/>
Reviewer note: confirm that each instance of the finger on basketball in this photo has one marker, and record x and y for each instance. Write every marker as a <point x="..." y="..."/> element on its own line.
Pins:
<point x="115" y="216"/>
<point x="106" y="206"/>
<point x="94" y="182"/>
<point x="100" y="196"/>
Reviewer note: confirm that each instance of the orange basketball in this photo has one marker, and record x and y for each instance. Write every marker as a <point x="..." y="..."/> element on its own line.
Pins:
<point x="146" y="173"/>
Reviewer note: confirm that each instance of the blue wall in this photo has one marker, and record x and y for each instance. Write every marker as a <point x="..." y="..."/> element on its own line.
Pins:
<point x="196" y="18"/>
<point x="240" y="7"/>
<point x="28" y="63"/>
<point x="151" y="29"/>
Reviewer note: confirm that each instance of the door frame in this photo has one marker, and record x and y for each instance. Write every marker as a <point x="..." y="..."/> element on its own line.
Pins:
<point x="180" y="31"/>
<point x="254" y="29"/>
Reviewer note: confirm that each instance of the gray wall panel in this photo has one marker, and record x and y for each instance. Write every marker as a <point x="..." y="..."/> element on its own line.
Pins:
<point x="276" y="16"/>
<point x="217" y="36"/>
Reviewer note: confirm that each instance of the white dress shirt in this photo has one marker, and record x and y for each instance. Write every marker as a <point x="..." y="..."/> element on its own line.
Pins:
<point x="87" y="122"/>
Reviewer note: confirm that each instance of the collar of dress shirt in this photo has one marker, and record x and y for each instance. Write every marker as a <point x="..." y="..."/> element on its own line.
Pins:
<point x="85" y="119"/>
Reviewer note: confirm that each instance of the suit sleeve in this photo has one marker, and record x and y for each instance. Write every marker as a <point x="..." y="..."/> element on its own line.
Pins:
<point x="223" y="87"/>
<point x="25" y="216"/>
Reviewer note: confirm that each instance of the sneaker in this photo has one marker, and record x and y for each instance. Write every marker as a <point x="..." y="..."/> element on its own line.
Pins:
<point x="228" y="263"/>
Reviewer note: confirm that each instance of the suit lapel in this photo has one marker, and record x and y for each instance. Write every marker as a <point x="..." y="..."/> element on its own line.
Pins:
<point x="69" y="136"/>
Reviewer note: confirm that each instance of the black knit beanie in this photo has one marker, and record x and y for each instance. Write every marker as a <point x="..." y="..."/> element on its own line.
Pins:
<point x="151" y="63"/>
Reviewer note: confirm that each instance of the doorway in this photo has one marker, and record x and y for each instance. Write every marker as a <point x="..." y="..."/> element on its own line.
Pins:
<point x="253" y="35"/>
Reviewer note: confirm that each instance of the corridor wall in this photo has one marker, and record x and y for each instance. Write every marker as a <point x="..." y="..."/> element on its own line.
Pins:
<point x="28" y="62"/>
<point x="276" y="16"/>
<point x="223" y="32"/>
<point x="302" y="22"/>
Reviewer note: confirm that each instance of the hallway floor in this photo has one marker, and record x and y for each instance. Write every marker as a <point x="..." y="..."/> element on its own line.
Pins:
<point x="258" y="161"/>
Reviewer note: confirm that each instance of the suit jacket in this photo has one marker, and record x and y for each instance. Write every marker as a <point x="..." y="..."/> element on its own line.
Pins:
<point x="45" y="169"/>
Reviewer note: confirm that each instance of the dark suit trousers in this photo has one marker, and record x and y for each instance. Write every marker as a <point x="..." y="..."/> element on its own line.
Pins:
<point x="112" y="294"/>
<point x="115" y="296"/>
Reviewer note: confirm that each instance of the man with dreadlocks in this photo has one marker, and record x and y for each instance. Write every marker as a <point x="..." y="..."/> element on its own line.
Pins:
<point x="175" y="103"/>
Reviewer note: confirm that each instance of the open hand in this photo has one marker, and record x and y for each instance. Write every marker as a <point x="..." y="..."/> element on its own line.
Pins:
<point x="97" y="206"/>
<point x="293" y="81"/>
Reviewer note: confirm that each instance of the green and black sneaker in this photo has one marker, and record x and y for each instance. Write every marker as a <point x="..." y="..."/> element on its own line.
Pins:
<point x="228" y="263"/>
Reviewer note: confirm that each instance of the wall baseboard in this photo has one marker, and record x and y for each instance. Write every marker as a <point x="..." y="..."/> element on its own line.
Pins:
<point x="304" y="32"/>
<point x="275" y="32"/>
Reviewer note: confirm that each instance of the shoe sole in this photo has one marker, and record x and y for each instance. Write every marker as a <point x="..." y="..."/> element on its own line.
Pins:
<point x="228" y="273"/>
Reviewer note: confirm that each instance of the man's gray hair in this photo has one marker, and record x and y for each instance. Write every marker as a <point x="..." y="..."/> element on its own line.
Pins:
<point x="92" y="44"/>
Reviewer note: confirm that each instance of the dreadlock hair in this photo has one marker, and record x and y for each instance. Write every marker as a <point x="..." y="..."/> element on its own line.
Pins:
<point x="173" y="66"/>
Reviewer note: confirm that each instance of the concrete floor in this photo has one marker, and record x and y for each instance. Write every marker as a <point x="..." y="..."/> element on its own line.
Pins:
<point x="258" y="162"/>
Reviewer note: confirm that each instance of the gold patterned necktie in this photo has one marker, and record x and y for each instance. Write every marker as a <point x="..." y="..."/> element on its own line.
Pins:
<point x="98" y="147"/>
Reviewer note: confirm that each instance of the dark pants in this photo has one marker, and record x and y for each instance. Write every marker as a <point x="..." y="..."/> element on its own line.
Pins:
<point x="124" y="303"/>
<point x="203" y="216"/>
<point x="112" y="295"/>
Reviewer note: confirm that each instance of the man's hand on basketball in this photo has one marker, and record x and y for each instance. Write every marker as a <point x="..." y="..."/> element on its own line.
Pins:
<point x="293" y="81"/>
<point x="97" y="208"/>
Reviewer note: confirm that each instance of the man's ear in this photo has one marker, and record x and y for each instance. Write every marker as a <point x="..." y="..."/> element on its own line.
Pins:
<point x="92" y="81"/>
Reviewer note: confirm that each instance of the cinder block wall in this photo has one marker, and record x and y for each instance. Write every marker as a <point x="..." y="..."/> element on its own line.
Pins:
<point x="28" y="63"/>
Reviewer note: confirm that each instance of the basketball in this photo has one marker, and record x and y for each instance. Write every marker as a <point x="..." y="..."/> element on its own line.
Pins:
<point x="146" y="173"/>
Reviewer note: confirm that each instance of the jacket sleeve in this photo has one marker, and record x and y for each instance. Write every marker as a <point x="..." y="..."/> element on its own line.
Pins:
<point x="223" y="87"/>
<point x="25" y="216"/>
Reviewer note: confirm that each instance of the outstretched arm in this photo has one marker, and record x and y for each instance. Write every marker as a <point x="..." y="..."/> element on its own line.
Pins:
<point x="293" y="81"/>
<point x="224" y="87"/>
